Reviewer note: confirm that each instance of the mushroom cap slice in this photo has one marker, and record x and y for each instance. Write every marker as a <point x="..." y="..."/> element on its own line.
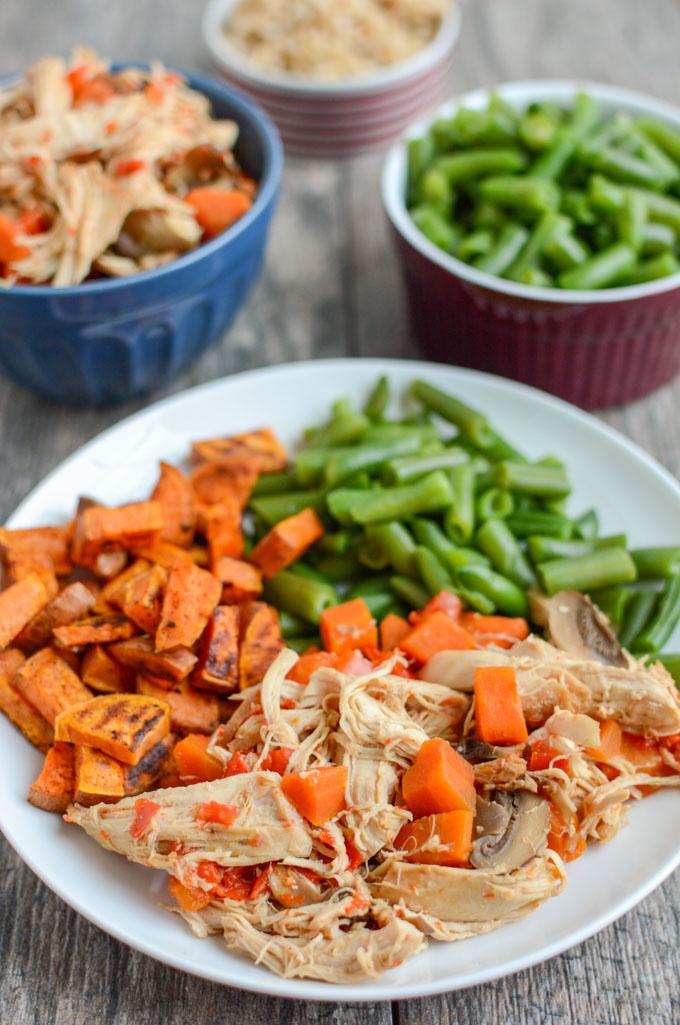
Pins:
<point x="576" y="626"/>
<point x="514" y="828"/>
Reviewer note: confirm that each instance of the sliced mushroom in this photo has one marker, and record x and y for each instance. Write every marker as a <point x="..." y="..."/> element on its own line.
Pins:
<point x="199" y="166"/>
<point x="578" y="627"/>
<point x="514" y="827"/>
<point x="293" y="889"/>
<point x="476" y="751"/>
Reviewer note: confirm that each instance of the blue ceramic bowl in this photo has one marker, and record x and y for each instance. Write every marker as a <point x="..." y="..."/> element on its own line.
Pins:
<point x="112" y="340"/>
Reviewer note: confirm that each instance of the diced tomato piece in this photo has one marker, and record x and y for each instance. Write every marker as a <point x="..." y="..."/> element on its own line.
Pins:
<point x="144" y="813"/>
<point x="543" y="756"/>
<point x="237" y="764"/>
<point x="216" y="813"/>
<point x="277" y="760"/>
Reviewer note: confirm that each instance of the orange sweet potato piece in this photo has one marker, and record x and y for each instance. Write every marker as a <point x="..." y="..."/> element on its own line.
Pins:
<point x="194" y="764"/>
<point x="17" y="565"/>
<point x="348" y="626"/>
<point x="162" y="553"/>
<point x="124" y="726"/>
<point x="217" y="667"/>
<point x="439" y="780"/>
<point x="101" y="672"/>
<point x="17" y="709"/>
<point x="49" y="684"/>
<point x="144" y="598"/>
<point x="261" y="641"/>
<point x="73" y="603"/>
<point x="94" y="630"/>
<point x="19" y="603"/>
<point x="393" y="629"/>
<point x="177" y="499"/>
<point x="148" y="771"/>
<point x="99" y="778"/>
<point x="220" y="525"/>
<point x="191" y="710"/>
<point x="286" y="542"/>
<point x="112" y="594"/>
<point x="261" y="446"/>
<point x="139" y="654"/>
<point x="219" y="481"/>
<point x="99" y="529"/>
<point x="50" y="544"/>
<point x="54" y="788"/>
<point x="318" y="794"/>
<point x="453" y="833"/>
<point x="110" y="563"/>
<point x="241" y="581"/>
<point x="499" y="718"/>
<point x="435" y="632"/>
<point x="190" y="599"/>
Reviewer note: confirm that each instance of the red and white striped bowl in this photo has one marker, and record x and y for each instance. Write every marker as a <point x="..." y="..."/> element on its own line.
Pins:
<point x="337" y="119"/>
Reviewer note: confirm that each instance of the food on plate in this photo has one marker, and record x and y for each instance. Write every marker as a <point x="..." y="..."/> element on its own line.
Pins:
<point x="572" y="198"/>
<point x="108" y="173"/>
<point x="320" y="40"/>
<point x="416" y="688"/>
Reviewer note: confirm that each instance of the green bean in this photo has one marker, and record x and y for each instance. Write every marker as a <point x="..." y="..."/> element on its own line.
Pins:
<point x="461" y="556"/>
<point x="419" y="153"/>
<point x="631" y="221"/>
<point x="534" y="276"/>
<point x="303" y="569"/>
<point x="564" y="251"/>
<point x="274" y="508"/>
<point x="537" y="130"/>
<point x="459" y="519"/>
<point x="661" y="266"/>
<point x="472" y="424"/>
<point x="541" y="549"/>
<point x="506" y="596"/>
<point x="657" y="238"/>
<point x="652" y="563"/>
<point x="500" y="450"/>
<point x="483" y="127"/>
<point x="430" y="534"/>
<point x="436" y="227"/>
<point x="338" y="542"/>
<point x="379" y="602"/>
<point x="339" y="569"/>
<point x="587" y="525"/>
<point x="429" y="494"/>
<point x="487" y="215"/>
<point x="665" y="618"/>
<point x="275" y="483"/>
<point x="637" y="616"/>
<point x="477" y="243"/>
<point x="543" y="232"/>
<point x="470" y="166"/>
<point x="532" y="479"/>
<point x="388" y="544"/>
<point x="600" y="270"/>
<point x="367" y="456"/>
<point x="415" y="596"/>
<point x="340" y="502"/>
<point x="407" y="468"/>
<point x="534" y="195"/>
<point x="474" y="599"/>
<point x="378" y="583"/>
<point x="378" y="434"/>
<point x="430" y="570"/>
<point x="627" y="168"/>
<point x="502" y="547"/>
<point x="524" y="524"/>
<point x="662" y="134"/>
<point x="575" y="204"/>
<point x="655" y="155"/>
<point x="613" y="601"/>
<point x="433" y="190"/>
<point x="584" y="115"/>
<point x="552" y="161"/>
<point x="378" y="400"/>
<point x="293" y="626"/>
<point x="344" y="428"/>
<point x="660" y="208"/>
<point x="300" y="644"/>
<point x="671" y="662"/>
<point x="497" y="104"/>
<point x="299" y="595"/>
<point x="602" y="568"/>
<point x="494" y="502"/>
<point x="505" y="251"/>
<point x="605" y="195"/>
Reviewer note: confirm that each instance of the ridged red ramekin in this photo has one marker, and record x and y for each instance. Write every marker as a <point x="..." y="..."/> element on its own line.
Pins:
<point x="337" y="119"/>
<point x="596" y="349"/>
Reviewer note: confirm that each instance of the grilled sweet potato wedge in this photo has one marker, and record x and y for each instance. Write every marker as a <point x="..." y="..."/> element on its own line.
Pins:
<point x="70" y="605"/>
<point x="156" y="763"/>
<point x="17" y="709"/>
<point x="140" y="654"/>
<point x="191" y="710"/>
<point x="98" y="777"/>
<point x="190" y="599"/>
<point x="124" y="726"/>
<point x="45" y="544"/>
<point x="177" y="499"/>
<point x="261" y="641"/>
<point x="113" y="593"/>
<point x="223" y="479"/>
<point x="95" y="630"/>
<point x="262" y="446"/>
<point x="54" y="788"/>
<point x="221" y="527"/>
<point x="240" y="580"/>
<point x="218" y="664"/>
<point x="144" y="598"/>
<point x="49" y="684"/>
<point x="98" y="529"/>
<point x="101" y="672"/>
<point x="19" y="603"/>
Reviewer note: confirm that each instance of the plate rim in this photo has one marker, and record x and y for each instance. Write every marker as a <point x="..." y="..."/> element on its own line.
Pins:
<point x="269" y="984"/>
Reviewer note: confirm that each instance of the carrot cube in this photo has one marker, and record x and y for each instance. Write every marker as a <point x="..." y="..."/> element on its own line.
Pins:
<point x="433" y="633"/>
<point x="318" y="794"/>
<point x="498" y="709"/>
<point x="440" y="780"/>
<point x="347" y="626"/>
<point x="444" y="839"/>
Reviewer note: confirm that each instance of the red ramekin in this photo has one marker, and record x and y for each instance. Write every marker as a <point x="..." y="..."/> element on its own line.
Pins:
<point x="593" y="348"/>
<point x="340" y="118"/>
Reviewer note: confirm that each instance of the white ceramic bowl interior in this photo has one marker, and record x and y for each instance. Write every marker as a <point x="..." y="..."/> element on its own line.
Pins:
<point x="612" y="99"/>
<point x="217" y="13"/>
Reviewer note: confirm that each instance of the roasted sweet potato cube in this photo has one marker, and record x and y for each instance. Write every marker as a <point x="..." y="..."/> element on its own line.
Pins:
<point x="99" y="778"/>
<point x="72" y="604"/>
<point x="99" y="529"/>
<point x="261" y="641"/>
<point x="19" y="603"/>
<point x="224" y="479"/>
<point x="124" y="726"/>
<point x="221" y="527"/>
<point x="144" y="598"/>
<point x="177" y="498"/>
<point x="191" y="596"/>
<point x="162" y="553"/>
<point x="114" y="591"/>
<point x="262" y="446"/>
<point x="191" y="710"/>
<point x="54" y="788"/>
<point x="148" y="771"/>
<point x="101" y="672"/>
<point x="286" y="542"/>
<point x="139" y="654"/>
<point x="45" y="544"/>
<point x="17" y="565"/>
<point x="95" y="630"/>
<point x="49" y="684"/>
<point x="17" y="709"/>
<point x="240" y="581"/>
<point x="217" y="668"/>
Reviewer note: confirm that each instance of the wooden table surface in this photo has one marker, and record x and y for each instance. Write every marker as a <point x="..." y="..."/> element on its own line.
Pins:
<point x="330" y="288"/>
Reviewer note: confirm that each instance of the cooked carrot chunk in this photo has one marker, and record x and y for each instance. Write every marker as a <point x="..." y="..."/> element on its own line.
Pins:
<point x="194" y="764"/>
<point x="49" y="684"/>
<point x="393" y="629"/>
<point x="308" y="664"/>
<point x="318" y="794"/>
<point x="505" y="630"/>
<point x="99" y="778"/>
<point x="240" y="581"/>
<point x="189" y="898"/>
<point x="444" y="839"/>
<point x="611" y="737"/>
<point x="217" y="209"/>
<point x="435" y="632"/>
<point x="439" y="780"/>
<point x="191" y="596"/>
<point x="286" y="542"/>
<point x="54" y="788"/>
<point x="177" y="499"/>
<point x="191" y="710"/>
<point x="347" y="626"/>
<point x="19" y="603"/>
<point x="499" y="718"/>
<point x="124" y="726"/>
<point x="261" y="641"/>
<point x="217" y="668"/>
<point x="445" y="601"/>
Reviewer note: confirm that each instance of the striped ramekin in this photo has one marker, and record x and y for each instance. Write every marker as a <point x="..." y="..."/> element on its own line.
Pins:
<point x="337" y="119"/>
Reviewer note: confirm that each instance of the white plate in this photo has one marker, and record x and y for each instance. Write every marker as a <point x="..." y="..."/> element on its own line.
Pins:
<point x="632" y="493"/>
